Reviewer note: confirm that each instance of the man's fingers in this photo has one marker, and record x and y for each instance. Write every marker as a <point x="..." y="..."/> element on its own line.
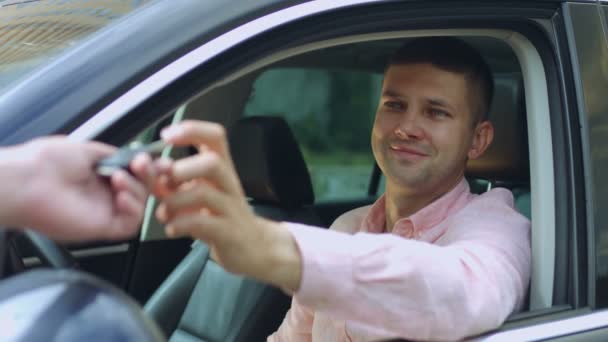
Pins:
<point x="122" y="181"/>
<point x="190" y="132"/>
<point x="143" y="168"/>
<point x="163" y="187"/>
<point x="200" y="195"/>
<point x="127" y="204"/>
<point x="197" y="225"/>
<point x="163" y="215"/>
<point x="209" y="166"/>
<point x="127" y="220"/>
<point x="151" y="172"/>
<point x="98" y="150"/>
<point x="163" y="165"/>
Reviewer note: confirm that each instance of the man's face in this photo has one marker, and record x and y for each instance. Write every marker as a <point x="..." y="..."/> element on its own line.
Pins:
<point x="423" y="130"/>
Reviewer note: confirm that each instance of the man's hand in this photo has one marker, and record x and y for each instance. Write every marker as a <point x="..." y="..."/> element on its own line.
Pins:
<point x="58" y="193"/>
<point x="207" y="203"/>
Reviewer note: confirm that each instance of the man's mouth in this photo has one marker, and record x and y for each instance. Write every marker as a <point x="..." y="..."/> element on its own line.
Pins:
<point x="408" y="152"/>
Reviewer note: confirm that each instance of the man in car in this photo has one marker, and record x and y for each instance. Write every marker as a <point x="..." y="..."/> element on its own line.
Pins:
<point x="427" y="261"/>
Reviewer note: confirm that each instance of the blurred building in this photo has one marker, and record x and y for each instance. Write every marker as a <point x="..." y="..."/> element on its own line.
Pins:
<point x="33" y="31"/>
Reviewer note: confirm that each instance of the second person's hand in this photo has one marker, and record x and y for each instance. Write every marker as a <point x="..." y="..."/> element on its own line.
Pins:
<point x="59" y="194"/>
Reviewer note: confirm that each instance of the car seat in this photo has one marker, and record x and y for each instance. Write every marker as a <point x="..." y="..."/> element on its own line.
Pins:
<point x="506" y="163"/>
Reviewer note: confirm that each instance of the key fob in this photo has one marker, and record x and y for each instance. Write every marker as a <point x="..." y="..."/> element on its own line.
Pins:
<point x="122" y="158"/>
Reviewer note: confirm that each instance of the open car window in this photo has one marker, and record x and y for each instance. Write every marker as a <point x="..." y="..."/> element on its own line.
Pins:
<point x="330" y="112"/>
<point x="287" y="84"/>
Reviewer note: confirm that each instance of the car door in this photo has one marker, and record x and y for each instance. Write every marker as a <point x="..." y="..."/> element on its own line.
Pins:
<point x="136" y="80"/>
<point x="555" y="203"/>
<point x="586" y="49"/>
<point x="569" y="299"/>
<point x="585" y="26"/>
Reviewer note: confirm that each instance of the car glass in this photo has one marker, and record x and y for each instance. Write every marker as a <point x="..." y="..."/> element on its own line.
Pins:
<point x="32" y="33"/>
<point x="331" y="114"/>
<point x="604" y="15"/>
<point x="598" y="128"/>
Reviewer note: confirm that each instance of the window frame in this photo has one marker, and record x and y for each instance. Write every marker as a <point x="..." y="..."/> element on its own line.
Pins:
<point x="586" y="35"/>
<point x="540" y="145"/>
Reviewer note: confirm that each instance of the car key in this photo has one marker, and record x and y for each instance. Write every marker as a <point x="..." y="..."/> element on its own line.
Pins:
<point x="122" y="158"/>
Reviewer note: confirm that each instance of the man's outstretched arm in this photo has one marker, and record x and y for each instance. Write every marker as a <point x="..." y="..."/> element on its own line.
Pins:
<point x="387" y="285"/>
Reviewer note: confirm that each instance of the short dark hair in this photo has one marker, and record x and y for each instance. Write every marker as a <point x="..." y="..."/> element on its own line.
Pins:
<point x="453" y="55"/>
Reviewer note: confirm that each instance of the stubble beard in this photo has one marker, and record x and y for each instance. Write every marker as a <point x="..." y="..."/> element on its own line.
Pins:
<point x="411" y="175"/>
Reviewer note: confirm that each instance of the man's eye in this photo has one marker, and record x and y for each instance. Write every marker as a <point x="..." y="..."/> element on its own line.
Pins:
<point x="393" y="105"/>
<point x="438" y="113"/>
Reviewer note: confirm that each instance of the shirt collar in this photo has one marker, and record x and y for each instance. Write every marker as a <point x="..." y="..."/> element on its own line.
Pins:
<point x="423" y="219"/>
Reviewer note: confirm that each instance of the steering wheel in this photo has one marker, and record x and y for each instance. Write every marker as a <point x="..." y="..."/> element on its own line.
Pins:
<point x="49" y="252"/>
<point x="78" y="311"/>
<point x="70" y="305"/>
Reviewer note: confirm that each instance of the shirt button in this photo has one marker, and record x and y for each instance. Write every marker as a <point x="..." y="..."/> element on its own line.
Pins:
<point x="403" y="231"/>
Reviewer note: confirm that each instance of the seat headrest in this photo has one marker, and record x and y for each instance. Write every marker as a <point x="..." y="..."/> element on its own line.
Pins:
<point x="269" y="162"/>
<point x="507" y="157"/>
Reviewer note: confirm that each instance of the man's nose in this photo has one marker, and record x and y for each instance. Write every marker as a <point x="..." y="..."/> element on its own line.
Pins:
<point x="409" y="125"/>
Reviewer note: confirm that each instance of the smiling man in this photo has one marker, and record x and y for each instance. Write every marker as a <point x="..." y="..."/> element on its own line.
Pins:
<point x="428" y="261"/>
<point x="430" y="121"/>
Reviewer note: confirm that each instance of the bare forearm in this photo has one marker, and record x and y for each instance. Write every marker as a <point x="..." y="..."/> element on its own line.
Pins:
<point x="281" y="262"/>
<point x="16" y="172"/>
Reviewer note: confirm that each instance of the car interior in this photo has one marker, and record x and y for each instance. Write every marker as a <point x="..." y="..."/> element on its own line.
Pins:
<point x="199" y="301"/>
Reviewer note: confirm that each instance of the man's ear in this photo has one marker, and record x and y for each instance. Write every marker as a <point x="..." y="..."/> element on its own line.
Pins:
<point x="482" y="138"/>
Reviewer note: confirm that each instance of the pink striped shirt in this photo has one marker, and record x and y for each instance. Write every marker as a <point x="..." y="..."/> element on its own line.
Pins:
<point x="455" y="268"/>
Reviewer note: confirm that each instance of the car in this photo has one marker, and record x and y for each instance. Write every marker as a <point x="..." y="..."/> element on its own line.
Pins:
<point x="297" y="82"/>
